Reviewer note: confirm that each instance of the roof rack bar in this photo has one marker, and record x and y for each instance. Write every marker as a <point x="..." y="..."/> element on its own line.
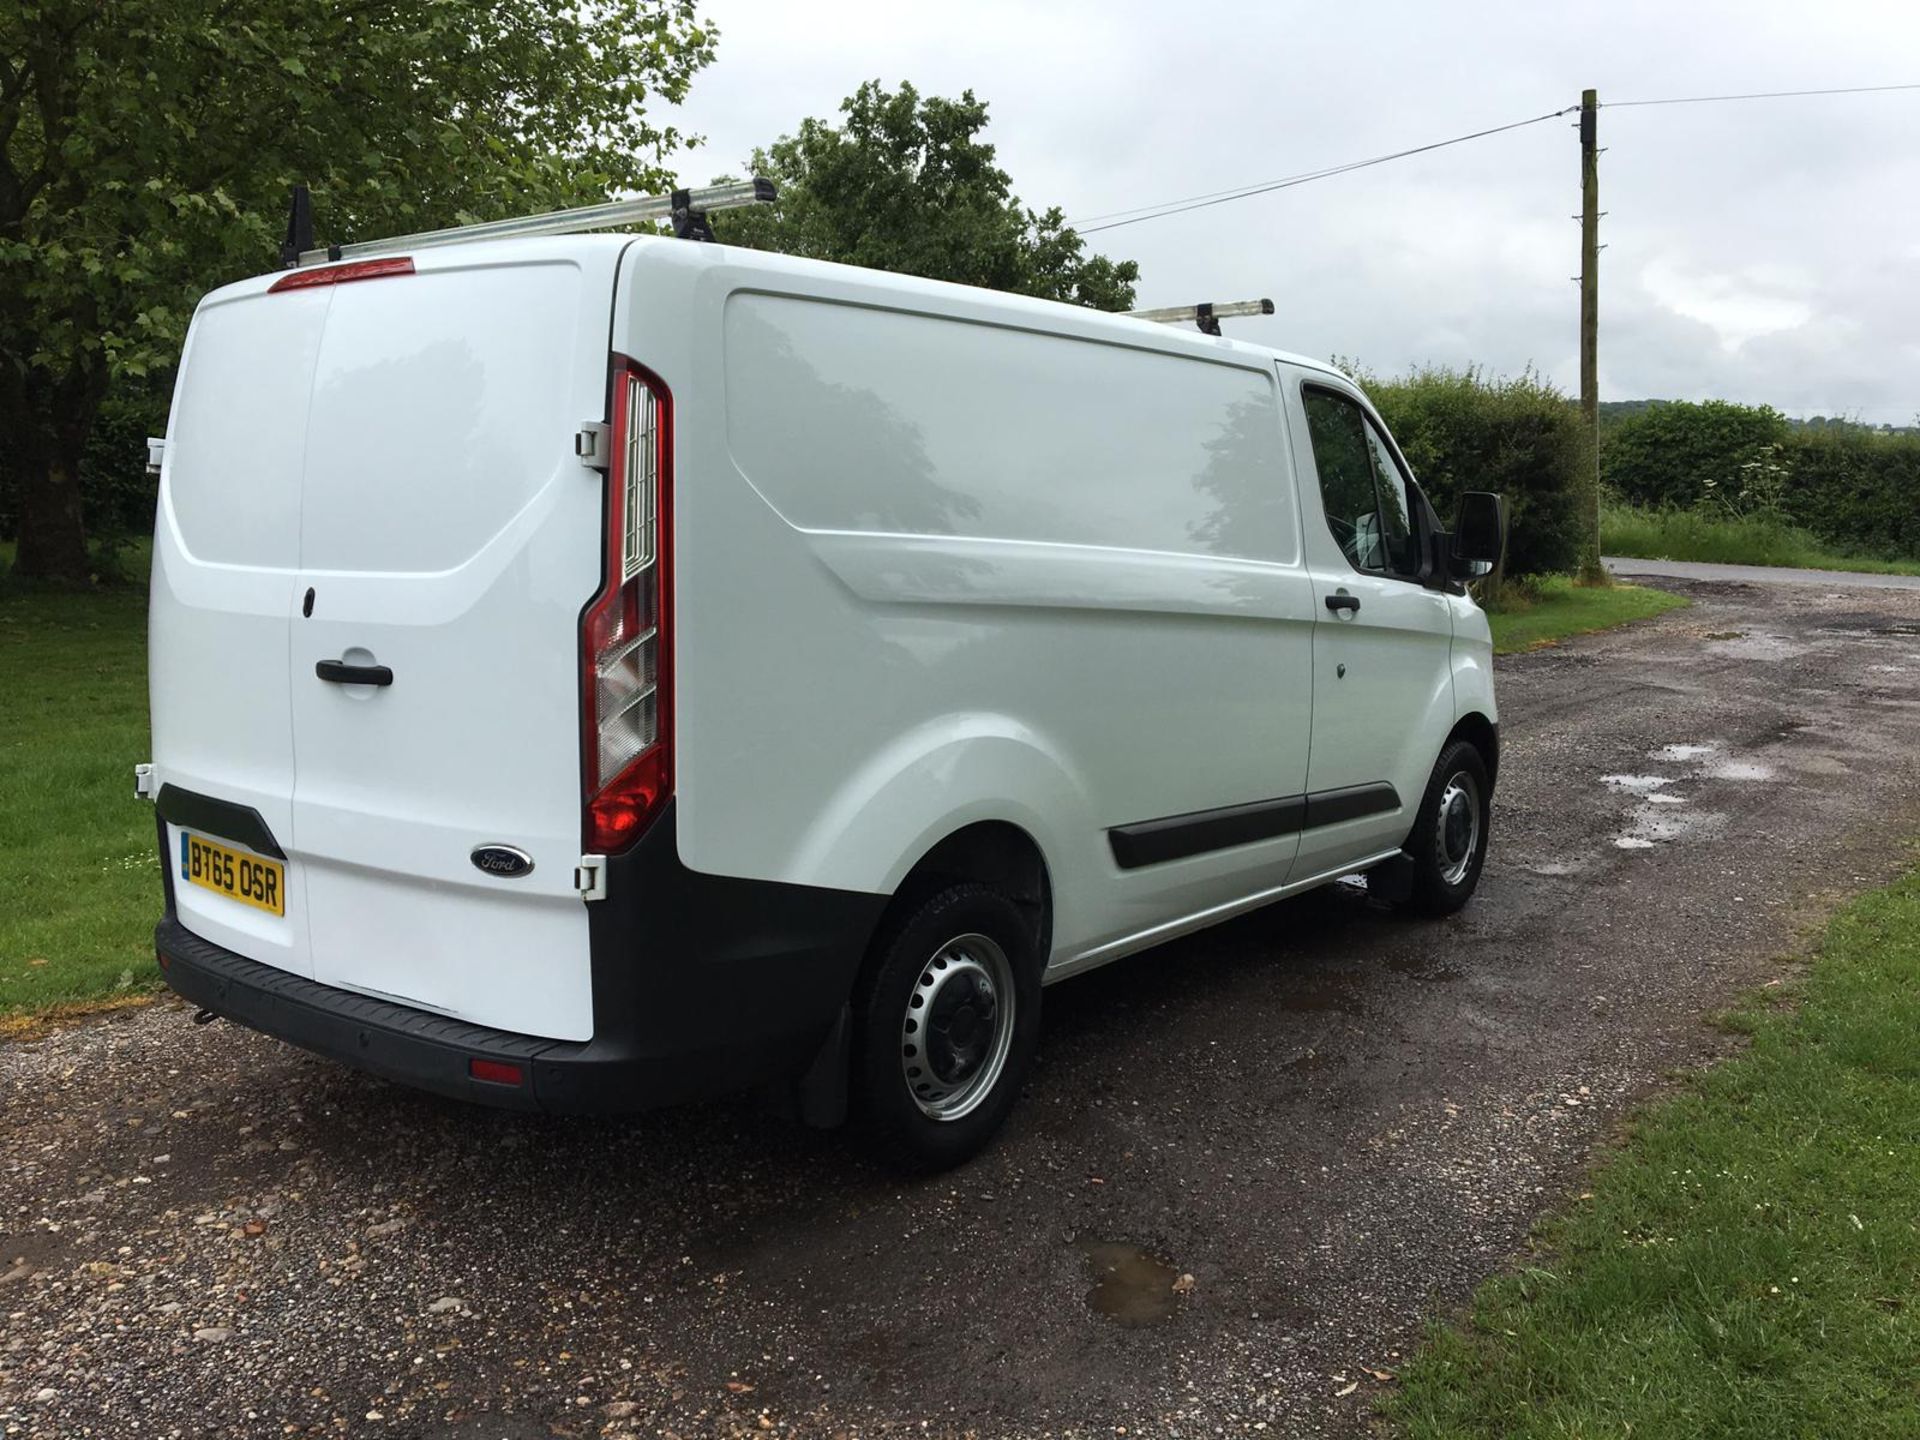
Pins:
<point x="758" y="191"/>
<point x="1206" y="315"/>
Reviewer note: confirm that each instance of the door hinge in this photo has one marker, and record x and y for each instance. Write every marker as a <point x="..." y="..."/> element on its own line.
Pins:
<point x="143" y="786"/>
<point x="156" y="454"/>
<point x="590" y="877"/>
<point x="593" y="444"/>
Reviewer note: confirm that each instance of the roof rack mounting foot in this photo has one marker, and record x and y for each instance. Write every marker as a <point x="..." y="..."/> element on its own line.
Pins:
<point x="689" y="223"/>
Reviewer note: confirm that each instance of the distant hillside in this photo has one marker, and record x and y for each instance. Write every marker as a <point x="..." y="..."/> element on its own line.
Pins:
<point x="1613" y="411"/>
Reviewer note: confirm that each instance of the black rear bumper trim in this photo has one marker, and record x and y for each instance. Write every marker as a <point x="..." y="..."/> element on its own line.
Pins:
<point x="211" y="815"/>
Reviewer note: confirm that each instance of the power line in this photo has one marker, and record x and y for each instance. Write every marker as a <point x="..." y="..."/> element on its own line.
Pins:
<point x="1221" y="197"/>
<point x="1758" y="95"/>
<point x="1114" y="219"/>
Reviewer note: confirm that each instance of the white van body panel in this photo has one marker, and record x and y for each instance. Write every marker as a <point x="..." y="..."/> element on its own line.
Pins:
<point x="939" y="556"/>
<point x="402" y="448"/>
<point x="980" y="555"/>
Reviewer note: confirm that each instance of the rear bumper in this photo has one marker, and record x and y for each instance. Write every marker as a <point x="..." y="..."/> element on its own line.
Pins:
<point x="702" y="985"/>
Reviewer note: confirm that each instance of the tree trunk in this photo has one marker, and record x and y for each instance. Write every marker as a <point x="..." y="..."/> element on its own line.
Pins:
<point x="50" y="422"/>
<point x="53" y="539"/>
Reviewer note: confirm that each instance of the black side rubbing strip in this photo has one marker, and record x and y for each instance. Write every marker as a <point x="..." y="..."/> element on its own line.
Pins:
<point x="211" y="816"/>
<point x="1330" y="807"/>
<point x="1153" y="842"/>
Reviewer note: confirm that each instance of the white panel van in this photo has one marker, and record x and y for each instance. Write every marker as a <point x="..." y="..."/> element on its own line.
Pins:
<point x="596" y="671"/>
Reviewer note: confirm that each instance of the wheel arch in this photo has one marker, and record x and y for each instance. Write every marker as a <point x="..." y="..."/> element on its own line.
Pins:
<point x="996" y="853"/>
<point x="1484" y="735"/>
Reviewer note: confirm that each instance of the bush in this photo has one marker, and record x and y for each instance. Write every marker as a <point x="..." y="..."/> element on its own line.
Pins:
<point x="1518" y="435"/>
<point x="1680" y="453"/>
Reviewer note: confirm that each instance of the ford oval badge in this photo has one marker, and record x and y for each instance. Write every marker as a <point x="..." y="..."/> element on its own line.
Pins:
<point x="502" y="860"/>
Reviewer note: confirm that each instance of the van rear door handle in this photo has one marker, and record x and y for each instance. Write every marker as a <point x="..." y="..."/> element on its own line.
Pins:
<point x="1343" y="601"/>
<point x="341" y="673"/>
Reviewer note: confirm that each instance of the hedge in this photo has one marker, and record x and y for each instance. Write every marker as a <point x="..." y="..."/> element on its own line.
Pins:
<point x="1855" y="489"/>
<point x="1518" y="435"/>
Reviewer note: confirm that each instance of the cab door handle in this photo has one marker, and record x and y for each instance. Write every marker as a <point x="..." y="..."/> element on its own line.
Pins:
<point x="1343" y="601"/>
<point x="339" y="672"/>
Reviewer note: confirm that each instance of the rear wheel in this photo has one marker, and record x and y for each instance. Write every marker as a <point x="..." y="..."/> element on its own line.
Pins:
<point x="1448" y="846"/>
<point x="947" y="1014"/>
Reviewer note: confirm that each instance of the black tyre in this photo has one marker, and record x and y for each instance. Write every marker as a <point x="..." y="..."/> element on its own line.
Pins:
<point x="1448" y="846"/>
<point x="946" y="1016"/>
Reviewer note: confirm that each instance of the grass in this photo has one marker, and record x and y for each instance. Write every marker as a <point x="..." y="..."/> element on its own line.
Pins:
<point x="1748" y="1264"/>
<point x="79" y="885"/>
<point x="1729" y="540"/>
<point x="1540" y="612"/>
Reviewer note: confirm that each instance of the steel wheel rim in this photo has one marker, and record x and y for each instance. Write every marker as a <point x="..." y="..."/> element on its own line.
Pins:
<point x="957" y="1029"/>
<point x="1457" y="835"/>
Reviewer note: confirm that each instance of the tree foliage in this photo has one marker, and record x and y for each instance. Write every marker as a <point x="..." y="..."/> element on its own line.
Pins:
<point x="147" y="148"/>
<point x="905" y="183"/>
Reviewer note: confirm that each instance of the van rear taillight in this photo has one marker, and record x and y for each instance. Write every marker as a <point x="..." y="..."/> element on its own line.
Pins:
<point x="341" y="274"/>
<point x="626" y="648"/>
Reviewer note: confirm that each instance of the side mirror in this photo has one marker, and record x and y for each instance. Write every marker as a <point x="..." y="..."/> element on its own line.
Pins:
<point x="1480" y="530"/>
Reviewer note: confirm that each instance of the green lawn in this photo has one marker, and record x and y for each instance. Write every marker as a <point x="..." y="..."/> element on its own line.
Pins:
<point x="1560" y="608"/>
<point x="79" y="883"/>
<point x="1729" y="540"/>
<point x="1749" y="1263"/>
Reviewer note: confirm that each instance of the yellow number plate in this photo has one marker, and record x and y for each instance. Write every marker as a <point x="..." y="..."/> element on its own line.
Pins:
<point x="238" y="874"/>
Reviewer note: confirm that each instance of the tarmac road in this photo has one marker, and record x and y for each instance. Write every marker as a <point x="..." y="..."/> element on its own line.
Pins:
<point x="1333" y="1120"/>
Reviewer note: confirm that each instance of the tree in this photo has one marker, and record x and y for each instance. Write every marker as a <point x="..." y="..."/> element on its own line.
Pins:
<point x="147" y="148"/>
<point x="905" y="184"/>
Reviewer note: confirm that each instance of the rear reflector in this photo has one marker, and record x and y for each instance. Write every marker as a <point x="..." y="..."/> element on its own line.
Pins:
<point x="495" y="1072"/>
<point x="341" y="274"/>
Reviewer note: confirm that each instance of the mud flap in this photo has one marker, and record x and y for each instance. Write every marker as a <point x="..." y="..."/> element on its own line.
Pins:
<point x="1391" y="881"/>
<point x="818" y="1096"/>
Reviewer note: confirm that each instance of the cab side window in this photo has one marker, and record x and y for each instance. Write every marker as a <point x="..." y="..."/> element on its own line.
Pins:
<point x="1362" y="488"/>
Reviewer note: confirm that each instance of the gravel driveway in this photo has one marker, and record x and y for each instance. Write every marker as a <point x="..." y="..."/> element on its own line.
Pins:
<point x="1334" y="1122"/>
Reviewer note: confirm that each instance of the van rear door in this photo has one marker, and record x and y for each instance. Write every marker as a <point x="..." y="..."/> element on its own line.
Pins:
<point x="449" y="538"/>
<point x="226" y="556"/>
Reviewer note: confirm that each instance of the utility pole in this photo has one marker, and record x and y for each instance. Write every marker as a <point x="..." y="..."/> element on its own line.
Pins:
<point x="1591" y="570"/>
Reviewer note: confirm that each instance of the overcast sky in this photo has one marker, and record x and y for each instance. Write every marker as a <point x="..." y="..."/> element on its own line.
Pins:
<point x="1758" y="251"/>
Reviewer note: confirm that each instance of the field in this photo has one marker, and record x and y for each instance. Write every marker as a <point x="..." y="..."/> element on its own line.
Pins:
<point x="1746" y="1265"/>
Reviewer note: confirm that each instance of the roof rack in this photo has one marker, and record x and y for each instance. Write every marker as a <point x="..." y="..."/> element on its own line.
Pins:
<point x="1206" y="315"/>
<point x="687" y="209"/>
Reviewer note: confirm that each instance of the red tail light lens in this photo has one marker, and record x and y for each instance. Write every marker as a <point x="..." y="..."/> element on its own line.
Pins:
<point x="626" y="642"/>
<point x="496" y="1072"/>
<point x="341" y="274"/>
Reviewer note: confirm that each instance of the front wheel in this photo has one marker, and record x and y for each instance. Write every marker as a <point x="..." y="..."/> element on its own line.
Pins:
<point x="947" y="1015"/>
<point x="1448" y="846"/>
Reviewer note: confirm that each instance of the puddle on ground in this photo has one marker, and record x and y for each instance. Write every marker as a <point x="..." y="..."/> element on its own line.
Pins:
<point x="1738" y="770"/>
<point x="1662" y="798"/>
<point x="1130" y="1287"/>
<point x="1553" y="869"/>
<point x="1680" y="754"/>
<point x="1422" y="967"/>
<point x="1648" y="827"/>
<point x="1635" y="784"/>
<point x="1759" y="647"/>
